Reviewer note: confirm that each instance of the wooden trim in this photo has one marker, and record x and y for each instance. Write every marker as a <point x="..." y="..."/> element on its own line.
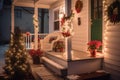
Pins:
<point x="43" y="6"/>
<point x="113" y="52"/>
<point x="114" y="46"/>
<point x="113" y="40"/>
<point x="14" y="1"/>
<point x="37" y="2"/>
<point x="112" y="34"/>
<point x="112" y="61"/>
<point x="114" y="27"/>
<point x="12" y="19"/>
<point x="22" y="4"/>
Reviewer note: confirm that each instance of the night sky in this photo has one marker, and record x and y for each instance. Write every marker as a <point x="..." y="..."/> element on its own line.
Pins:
<point x="4" y="30"/>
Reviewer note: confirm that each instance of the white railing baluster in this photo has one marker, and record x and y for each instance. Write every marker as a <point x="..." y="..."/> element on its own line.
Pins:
<point x="28" y="40"/>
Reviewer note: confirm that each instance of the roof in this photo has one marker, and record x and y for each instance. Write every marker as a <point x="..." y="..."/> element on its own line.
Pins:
<point x="32" y="3"/>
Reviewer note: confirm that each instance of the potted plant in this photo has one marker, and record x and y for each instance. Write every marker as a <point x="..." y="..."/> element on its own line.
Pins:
<point x="59" y="46"/>
<point x="36" y="54"/>
<point x="93" y="46"/>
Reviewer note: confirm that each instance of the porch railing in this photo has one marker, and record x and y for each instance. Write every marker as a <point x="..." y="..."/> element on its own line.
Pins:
<point x="29" y="39"/>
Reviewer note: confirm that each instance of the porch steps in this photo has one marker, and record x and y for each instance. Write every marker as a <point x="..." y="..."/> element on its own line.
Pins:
<point x="55" y="57"/>
<point x="56" y="67"/>
<point x="43" y="73"/>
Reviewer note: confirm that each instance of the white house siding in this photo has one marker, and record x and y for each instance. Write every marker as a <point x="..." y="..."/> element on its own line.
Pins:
<point x="54" y="6"/>
<point x="82" y="32"/>
<point x="81" y="35"/>
<point x="111" y="49"/>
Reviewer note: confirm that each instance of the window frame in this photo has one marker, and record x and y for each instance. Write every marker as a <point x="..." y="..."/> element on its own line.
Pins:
<point x="56" y="19"/>
<point x="18" y="13"/>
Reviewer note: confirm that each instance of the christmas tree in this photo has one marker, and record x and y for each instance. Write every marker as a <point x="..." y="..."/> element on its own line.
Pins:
<point x="16" y="65"/>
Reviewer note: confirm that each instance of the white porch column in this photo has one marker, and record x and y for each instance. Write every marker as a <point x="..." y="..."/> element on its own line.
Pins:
<point x="12" y="19"/>
<point x="67" y="53"/>
<point x="68" y="42"/>
<point x="36" y="27"/>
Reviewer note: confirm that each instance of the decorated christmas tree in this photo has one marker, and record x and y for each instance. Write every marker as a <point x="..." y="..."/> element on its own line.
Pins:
<point x="16" y="65"/>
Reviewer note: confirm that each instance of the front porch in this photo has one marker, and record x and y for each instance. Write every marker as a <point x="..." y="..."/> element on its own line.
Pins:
<point x="72" y="61"/>
<point x="41" y="72"/>
<point x="64" y="62"/>
<point x="59" y="63"/>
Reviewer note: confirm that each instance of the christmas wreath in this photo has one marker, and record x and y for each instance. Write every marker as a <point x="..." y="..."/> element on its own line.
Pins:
<point x="114" y="12"/>
<point x="78" y="6"/>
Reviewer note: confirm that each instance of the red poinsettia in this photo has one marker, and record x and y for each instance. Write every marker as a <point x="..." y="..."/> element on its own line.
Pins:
<point x="95" y="44"/>
<point x="63" y="20"/>
<point x="66" y="34"/>
<point x="28" y="33"/>
<point x="37" y="52"/>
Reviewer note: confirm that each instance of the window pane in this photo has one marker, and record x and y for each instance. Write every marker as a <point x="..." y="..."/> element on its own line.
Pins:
<point x="56" y="25"/>
<point x="18" y="13"/>
<point x="56" y="15"/>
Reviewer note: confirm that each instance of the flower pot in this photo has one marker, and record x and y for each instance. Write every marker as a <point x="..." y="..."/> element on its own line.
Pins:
<point x="93" y="52"/>
<point x="36" y="59"/>
<point x="61" y="49"/>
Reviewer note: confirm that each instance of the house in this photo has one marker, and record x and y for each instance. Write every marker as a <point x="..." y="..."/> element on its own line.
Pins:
<point x="82" y="28"/>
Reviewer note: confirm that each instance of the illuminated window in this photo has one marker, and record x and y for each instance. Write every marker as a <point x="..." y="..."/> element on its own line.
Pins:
<point x="56" y="20"/>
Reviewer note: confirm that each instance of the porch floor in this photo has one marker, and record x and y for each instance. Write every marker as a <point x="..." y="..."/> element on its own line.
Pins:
<point x="76" y="55"/>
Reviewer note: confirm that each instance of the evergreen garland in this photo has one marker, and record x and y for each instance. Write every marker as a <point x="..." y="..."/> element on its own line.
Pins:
<point x="114" y="12"/>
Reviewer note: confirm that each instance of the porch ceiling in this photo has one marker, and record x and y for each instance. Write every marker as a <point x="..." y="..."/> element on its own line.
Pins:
<point x="31" y="3"/>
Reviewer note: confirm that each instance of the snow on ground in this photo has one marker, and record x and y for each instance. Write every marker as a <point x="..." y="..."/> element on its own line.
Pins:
<point x="3" y="48"/>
